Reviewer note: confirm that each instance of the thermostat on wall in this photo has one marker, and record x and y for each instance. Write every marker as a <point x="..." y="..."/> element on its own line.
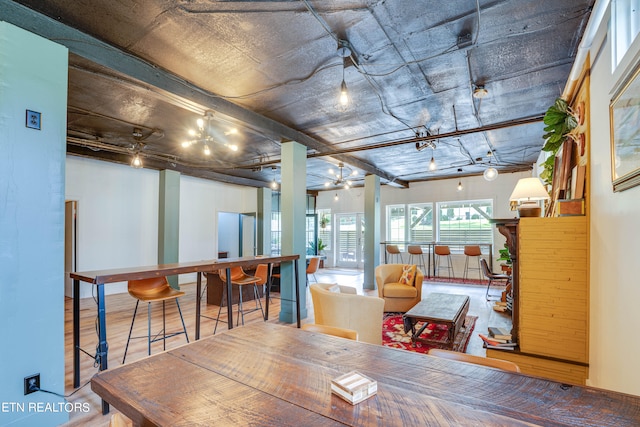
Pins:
<point x="33" y="120"/>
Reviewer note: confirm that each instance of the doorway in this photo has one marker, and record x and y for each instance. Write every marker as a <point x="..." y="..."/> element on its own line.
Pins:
<point x="350" y="240"/>
<point x="236" y="234"/>
<point x="70" y="244"/>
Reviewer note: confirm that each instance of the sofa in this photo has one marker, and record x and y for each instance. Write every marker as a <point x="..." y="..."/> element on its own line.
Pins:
<point x="340" y="306"/>
<point x="398" y="297"/>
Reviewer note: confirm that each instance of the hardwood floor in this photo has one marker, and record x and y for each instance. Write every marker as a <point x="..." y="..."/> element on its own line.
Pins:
<point x="120" y="309"/>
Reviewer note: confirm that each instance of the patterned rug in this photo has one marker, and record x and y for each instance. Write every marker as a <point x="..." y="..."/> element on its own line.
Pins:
<point x="393" y="334"/>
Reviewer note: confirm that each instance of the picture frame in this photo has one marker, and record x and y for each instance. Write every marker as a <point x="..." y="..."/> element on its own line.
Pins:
<point x="624" y="115"/>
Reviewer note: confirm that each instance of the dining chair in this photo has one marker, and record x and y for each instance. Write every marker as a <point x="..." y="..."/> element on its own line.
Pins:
<point x="331" y="330"/>
<point x="491" y="276"/>
<point x="472" y="251"/>
<point x="150" y="290"/>
<point x="240" y="279"/>
<point x="505" y="365"/>
<point x="443" y="251"/>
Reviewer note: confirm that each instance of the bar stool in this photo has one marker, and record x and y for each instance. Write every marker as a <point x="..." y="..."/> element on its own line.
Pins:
<point x="262" y="273"/>
<point x="443" y="251"/>
<point x="472" y="251"/>
<point x="240" y="279"/>
<point x="393" y="250"/>
<point x="151" y="290"/>
<point x="416" y="251"/>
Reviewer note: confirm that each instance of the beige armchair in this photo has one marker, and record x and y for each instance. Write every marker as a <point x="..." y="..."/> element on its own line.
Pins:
<point x="397" y="297"/>
<point x="346" y="309"/>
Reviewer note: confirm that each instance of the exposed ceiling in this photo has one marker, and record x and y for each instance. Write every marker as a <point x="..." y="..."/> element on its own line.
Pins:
<point x="272" y="70"/>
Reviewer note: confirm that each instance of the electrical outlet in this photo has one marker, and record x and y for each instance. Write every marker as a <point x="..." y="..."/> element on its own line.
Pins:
<point x="29" y="382"/>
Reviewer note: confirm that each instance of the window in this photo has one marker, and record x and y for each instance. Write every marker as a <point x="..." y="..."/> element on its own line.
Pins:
<point x="421" y="223"/>
<point x="396" y="223"/>
<point x="625" y="17"/>
<point x="455" y="223"/>
<point x="276" y="222"/>
<point x="324" y="227"/>
<point x="465" y="222"/>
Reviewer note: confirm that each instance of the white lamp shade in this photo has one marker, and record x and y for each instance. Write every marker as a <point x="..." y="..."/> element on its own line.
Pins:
<point x="529" y="189"/>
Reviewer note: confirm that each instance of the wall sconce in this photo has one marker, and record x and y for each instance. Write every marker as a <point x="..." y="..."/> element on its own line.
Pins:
<point x="528" y="192"/>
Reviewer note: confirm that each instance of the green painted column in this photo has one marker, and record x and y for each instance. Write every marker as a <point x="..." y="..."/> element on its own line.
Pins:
<point x="263" y="243"/>
<point x="293" y="204"/>
<point x="169" y="220"/>
<point x="371" y="230"/>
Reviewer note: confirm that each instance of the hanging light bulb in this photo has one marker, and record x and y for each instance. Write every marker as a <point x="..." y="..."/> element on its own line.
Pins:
<point x="136" y="162"/>
<point x="206" y="150"/>
<point x="344" y="95"/>
<point x="490" y="173"/>
<point x="274" y="183"/>
<point x="343" y="100"/>
<point x="336" y="197"/>
<point x="459" y="185"/>
<point x="432" y="164"/>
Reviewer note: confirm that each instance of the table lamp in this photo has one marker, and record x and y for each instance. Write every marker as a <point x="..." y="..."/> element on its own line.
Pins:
<point x="527" y="192"/>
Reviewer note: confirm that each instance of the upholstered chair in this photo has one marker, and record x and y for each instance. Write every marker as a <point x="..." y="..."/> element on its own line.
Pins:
<point x="398" y="297"/>
<point x="342" y="307"/>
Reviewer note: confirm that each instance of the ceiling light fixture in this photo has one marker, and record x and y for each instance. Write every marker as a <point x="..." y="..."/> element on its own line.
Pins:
<point x="136" y="162"/>
<point x="274" y="183"/>
<point x="432" y="164"/>
<point x="340" y="179"/>
<point x="480" y="92"/>
<point x="344" y="99"/>
<point x="336" y="197"/>
<point x="490" y="173"/>
<point x="459" y="182"/>
<point x="203" y="135"/>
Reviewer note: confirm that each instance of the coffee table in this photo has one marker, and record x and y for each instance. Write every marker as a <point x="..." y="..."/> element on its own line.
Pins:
<point x="441" y="309"/>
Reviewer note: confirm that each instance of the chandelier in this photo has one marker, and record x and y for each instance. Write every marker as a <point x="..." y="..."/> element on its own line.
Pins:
<point x="203" y="135"/>
<point x="340" y="180"/>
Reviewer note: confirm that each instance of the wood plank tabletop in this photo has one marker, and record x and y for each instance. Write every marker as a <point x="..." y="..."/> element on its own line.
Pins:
<point x="148" y="271"/>
<point x="269" y="374"/>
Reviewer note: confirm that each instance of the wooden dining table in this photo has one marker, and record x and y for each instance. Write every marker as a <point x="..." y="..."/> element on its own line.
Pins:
<point x="270" y="374"/>
<point x="101" y="278"/>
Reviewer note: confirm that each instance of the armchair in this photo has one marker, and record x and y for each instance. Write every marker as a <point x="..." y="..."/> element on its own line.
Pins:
<point x="398" y="297"/>
<point x="346" y="309"/>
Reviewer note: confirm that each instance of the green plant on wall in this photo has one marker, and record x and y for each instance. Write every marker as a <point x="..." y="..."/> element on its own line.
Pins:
<point x="560" y="121"/>
<point x="504" y="254"/>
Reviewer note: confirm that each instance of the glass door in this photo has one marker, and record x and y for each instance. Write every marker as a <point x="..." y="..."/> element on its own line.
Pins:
<point x="350" y="240"/>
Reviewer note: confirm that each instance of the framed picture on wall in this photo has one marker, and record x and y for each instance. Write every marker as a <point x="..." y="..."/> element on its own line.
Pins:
<point x="624" y="112"/>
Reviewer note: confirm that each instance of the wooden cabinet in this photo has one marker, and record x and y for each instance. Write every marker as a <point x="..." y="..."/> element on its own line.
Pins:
<point x="551" y="298"/>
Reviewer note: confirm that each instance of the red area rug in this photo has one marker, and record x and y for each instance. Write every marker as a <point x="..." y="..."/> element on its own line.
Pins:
<point x="393" y="334"/>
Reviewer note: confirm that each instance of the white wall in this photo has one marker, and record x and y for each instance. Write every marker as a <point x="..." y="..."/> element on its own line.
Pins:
<point x="614" y="350"/>
<point x="31" y="225"/>
<point x="474" y="188"/>
<point x="118" y="216"/>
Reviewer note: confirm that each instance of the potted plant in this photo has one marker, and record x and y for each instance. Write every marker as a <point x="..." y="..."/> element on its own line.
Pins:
<point x="316" y="248"/>
<point x="560" y="121"/>
<point x="324" y="221"/>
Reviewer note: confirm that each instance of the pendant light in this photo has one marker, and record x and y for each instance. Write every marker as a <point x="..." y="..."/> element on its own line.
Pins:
<point x="274" y="183"/>
<point x="344" y="100"/>
<point x="432" y="163"/>
<point x="136" y="162"/>
<point x="490" y="173"/>
<point x="459" y="188"/>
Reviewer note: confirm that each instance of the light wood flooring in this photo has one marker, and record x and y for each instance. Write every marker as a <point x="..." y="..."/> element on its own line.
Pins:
<point x="120" y="309"/>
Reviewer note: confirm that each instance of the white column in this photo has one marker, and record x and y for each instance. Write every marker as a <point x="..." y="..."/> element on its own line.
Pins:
<point x="372" y="229"/>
